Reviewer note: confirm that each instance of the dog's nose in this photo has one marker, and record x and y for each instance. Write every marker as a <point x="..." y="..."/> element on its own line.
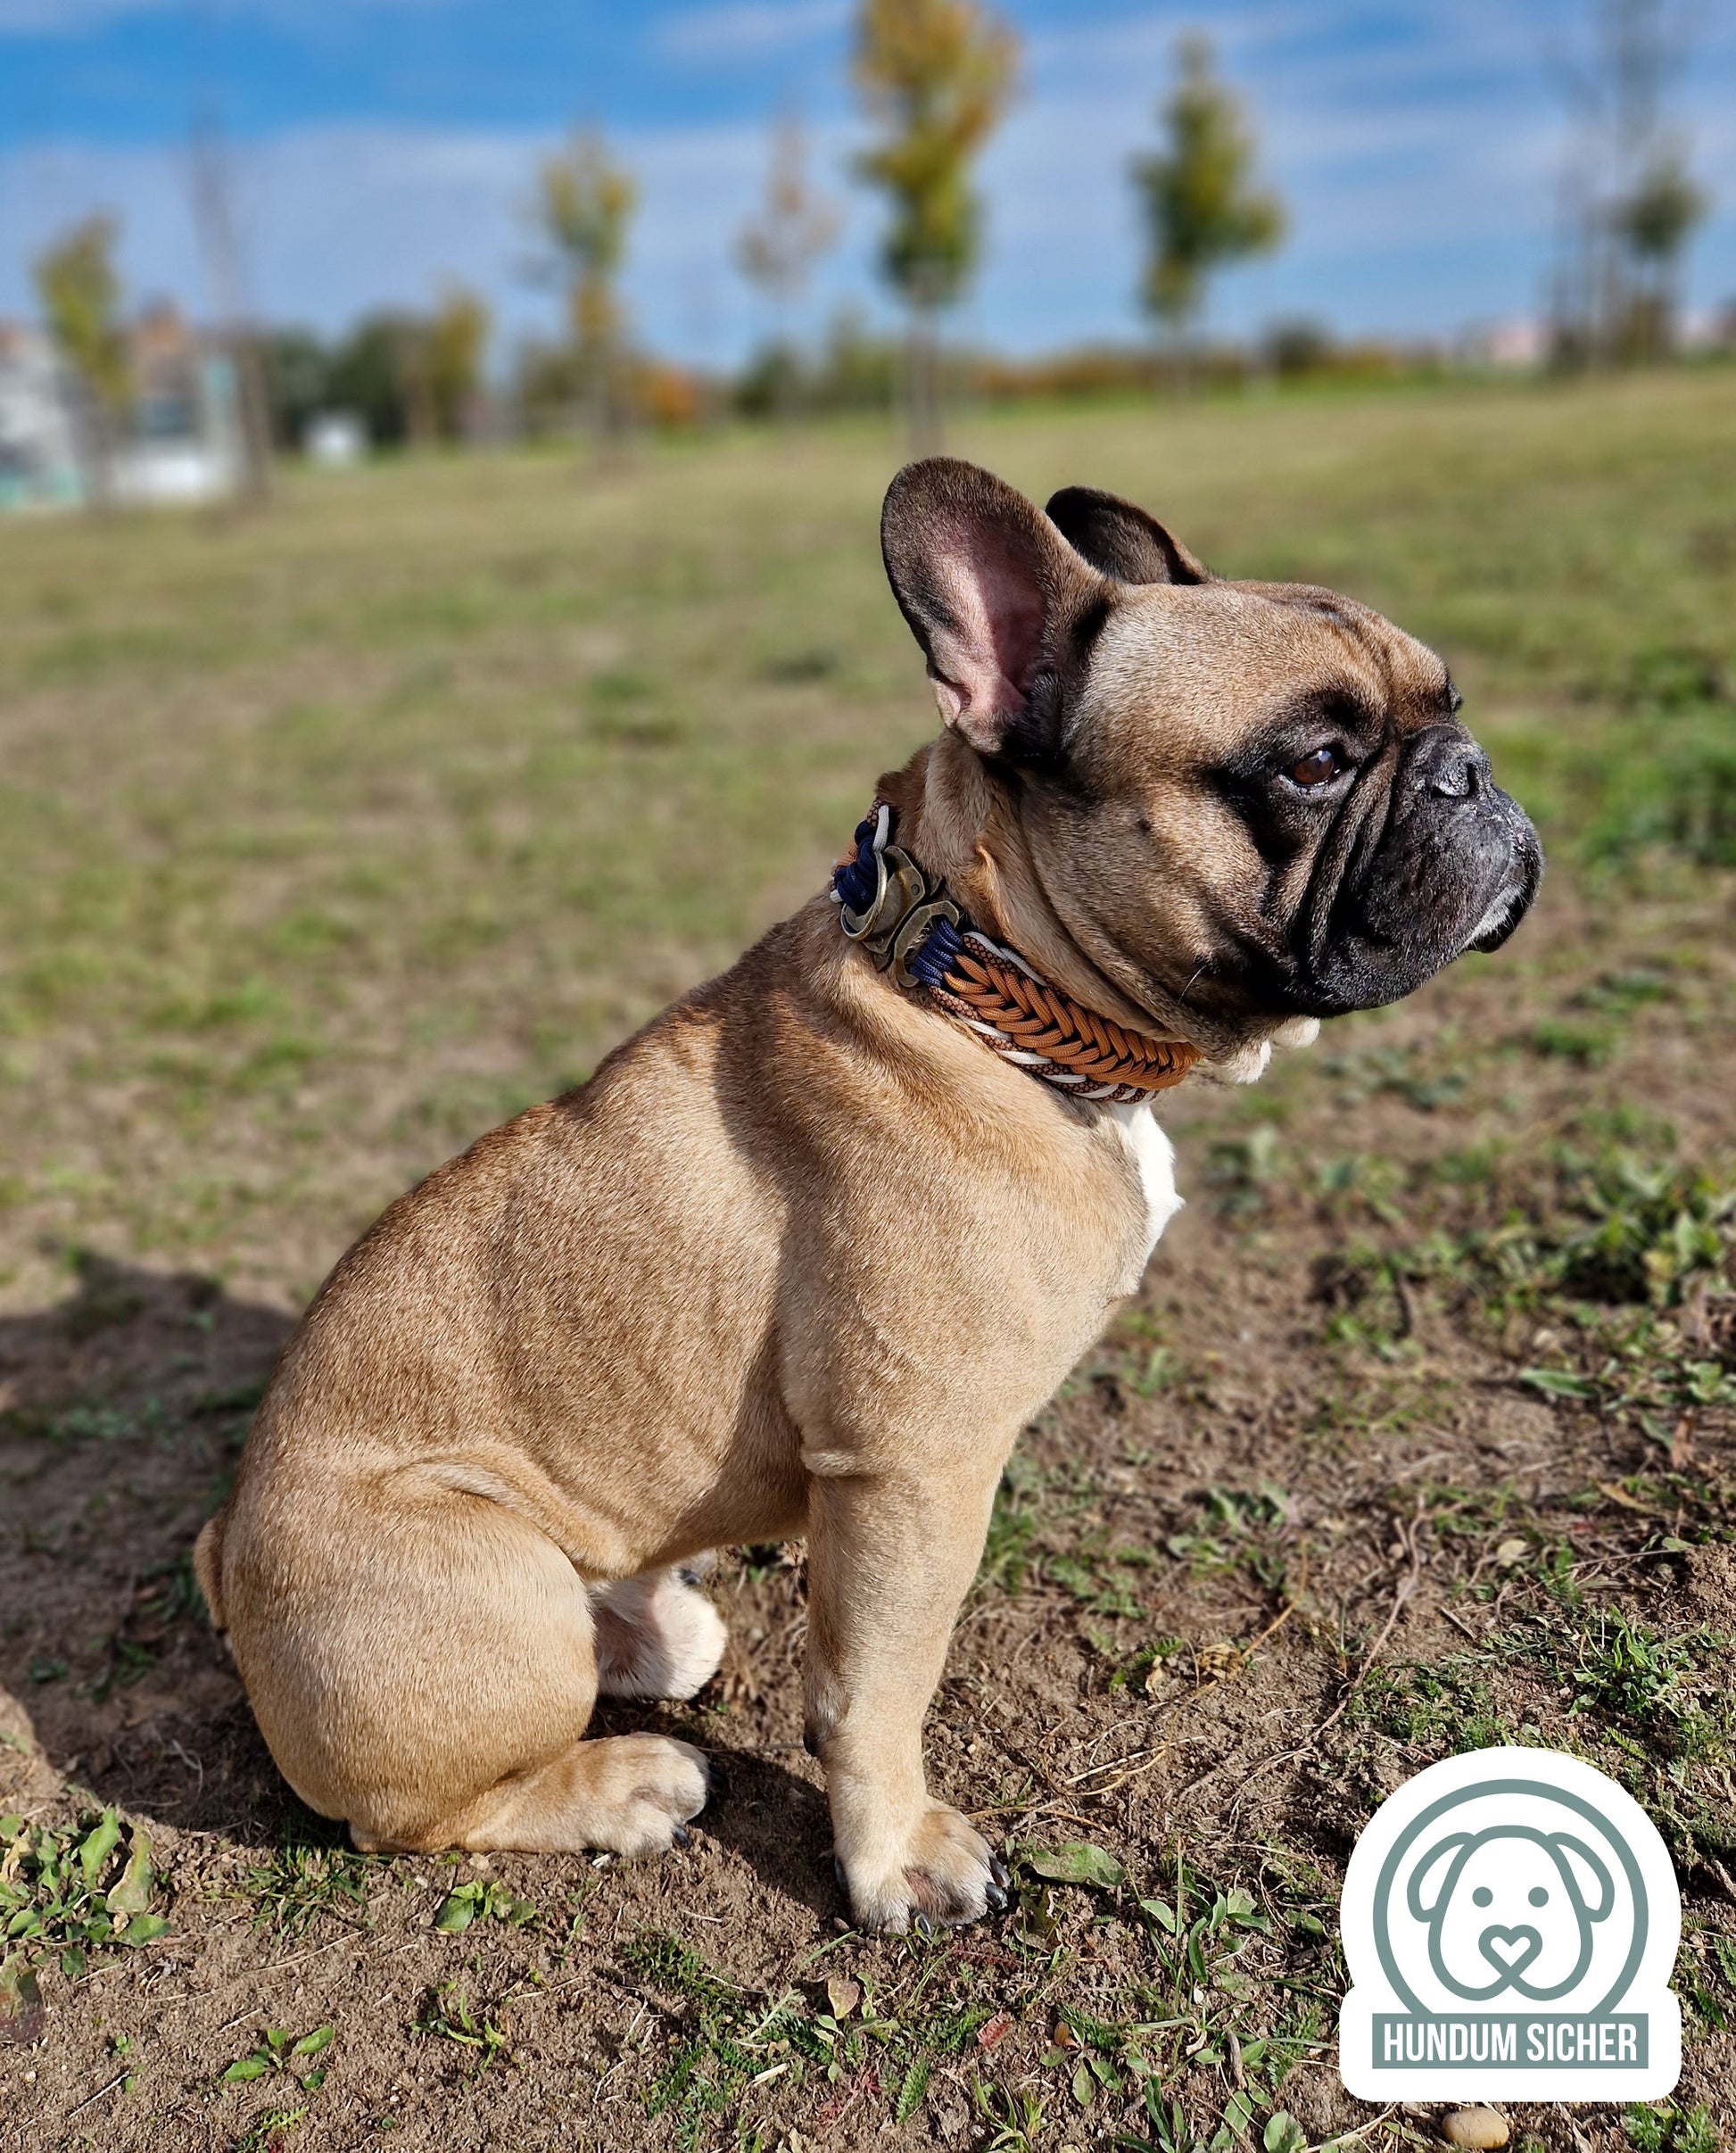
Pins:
<point x="1448" y="764"/>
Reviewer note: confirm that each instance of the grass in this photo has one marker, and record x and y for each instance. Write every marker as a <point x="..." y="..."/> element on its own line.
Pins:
<point x="71" y="1895"/>
<point x="731" y="2052"/>
<point x="384" y="815"/>
<point x="334" y="835"/>
<point x="298" y="1885"/>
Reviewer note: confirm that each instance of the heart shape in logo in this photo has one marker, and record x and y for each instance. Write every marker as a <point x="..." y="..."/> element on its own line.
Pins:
<point x="1509" y="1950"/>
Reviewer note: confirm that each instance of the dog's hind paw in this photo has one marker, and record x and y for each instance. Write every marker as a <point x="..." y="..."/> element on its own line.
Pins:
<point x="942" y="1874"/>
<point x="624" y="1793"/>
<point x="657" y="1636"/>
<point x="643" y="1791"/>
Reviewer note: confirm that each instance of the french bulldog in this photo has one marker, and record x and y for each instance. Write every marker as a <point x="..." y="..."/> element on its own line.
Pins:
<point x="804" y="1255"/>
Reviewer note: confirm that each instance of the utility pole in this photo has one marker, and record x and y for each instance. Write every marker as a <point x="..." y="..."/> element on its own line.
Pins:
<point x="212" y="172"/>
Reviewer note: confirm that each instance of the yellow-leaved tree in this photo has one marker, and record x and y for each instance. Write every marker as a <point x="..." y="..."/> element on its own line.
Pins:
<point x="1202" y="208"/>
<point x="935" y="77"/>
<point x="584" y="203"/>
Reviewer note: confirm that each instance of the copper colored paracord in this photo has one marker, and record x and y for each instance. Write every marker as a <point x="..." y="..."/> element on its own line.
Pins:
<point x="992" y="990"/>
<point x="1036" y="1018"/>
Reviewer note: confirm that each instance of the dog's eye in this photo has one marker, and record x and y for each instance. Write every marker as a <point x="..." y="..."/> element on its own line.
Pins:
<point x="1316" y="770"/>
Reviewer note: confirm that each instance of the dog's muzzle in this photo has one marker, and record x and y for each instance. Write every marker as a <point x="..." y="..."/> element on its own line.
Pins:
<point x="1453" y="864"/>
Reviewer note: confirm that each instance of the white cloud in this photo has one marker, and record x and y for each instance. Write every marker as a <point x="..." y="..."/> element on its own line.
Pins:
<point x="747" y="31"/>
<point x="79" y="18"/>
<point x="338" y="219"/>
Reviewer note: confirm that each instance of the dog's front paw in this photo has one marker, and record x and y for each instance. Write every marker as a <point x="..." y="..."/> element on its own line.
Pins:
<point x="641" y="1792"/>
<point x="939" y="1873"/>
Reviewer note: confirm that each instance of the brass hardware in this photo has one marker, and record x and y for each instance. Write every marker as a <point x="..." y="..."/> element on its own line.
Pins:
<point x="892" y="925"/>
<point x="913" y="932"/>
<point x="857" y="924"/>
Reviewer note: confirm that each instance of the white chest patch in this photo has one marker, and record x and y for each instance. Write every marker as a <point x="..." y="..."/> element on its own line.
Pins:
<point x="1155" y="1162"/>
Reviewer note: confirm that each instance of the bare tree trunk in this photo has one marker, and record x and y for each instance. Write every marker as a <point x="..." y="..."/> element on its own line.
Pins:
<point x="421" y="422"/>
<point x="255" y="410"/>
<point x="596" y="406"/>
<point x="785" y="398"/>
<point x="213" y="209"/>
<point x="922" y="381"/>
<point x="607" y="404"/>
<point x="93" y="442"/>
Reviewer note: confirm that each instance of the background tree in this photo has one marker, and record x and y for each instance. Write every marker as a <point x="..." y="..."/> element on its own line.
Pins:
<point x="369" y="374"/>
<point x="78" y="288"/>
<point x="1203" y="209"/>
<point x="777" y="248"/>
<point x="936" y="76"/>
<point x="584" y="203"/>
<point x="1629" y="205"/>
<point x="457" y="338"/>
<point x="1654" y="223"/>
<point x="211" y="171"/>
<point x="297" y="367"/>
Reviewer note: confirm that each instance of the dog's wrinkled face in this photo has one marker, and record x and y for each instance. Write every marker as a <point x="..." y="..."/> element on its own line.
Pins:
<point x="1247" y="802"/>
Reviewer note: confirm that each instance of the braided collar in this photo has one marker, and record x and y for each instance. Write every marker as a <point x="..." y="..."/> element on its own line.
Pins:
<point x="911" y="928"/>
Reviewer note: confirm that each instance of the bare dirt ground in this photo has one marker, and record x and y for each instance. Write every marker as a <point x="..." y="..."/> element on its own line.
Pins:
<point x="1380" y="1465"/>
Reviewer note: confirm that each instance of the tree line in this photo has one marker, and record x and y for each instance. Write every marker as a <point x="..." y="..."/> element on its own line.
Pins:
<point x="934" y="78"/>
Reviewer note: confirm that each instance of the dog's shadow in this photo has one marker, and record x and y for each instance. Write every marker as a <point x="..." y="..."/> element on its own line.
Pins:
<point x="123" y="1410"/>
<point x="770" y="1817"/>
<point x="779" y="1825"/>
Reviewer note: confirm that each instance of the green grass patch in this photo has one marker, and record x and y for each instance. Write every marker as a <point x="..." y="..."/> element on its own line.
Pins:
<point x="459" y="770"/>
<point x="70" y="1893"/>
<point x="301" y="1884"/>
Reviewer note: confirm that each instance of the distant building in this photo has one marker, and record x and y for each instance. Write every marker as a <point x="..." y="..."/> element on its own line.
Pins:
<point x="1709" y="329"/>
<point x="38" y="425"/>
<point x="179" y="440"/>
<point x="334" y="440"/>
<point x="183" y="442"/>
<point x="1521" y="343"/>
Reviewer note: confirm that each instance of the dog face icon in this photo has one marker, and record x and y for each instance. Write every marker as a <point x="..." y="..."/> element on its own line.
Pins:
<point x="1510" y="1908"/>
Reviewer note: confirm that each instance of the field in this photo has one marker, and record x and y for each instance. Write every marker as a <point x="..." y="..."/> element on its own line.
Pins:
<point x="331" y="838"/>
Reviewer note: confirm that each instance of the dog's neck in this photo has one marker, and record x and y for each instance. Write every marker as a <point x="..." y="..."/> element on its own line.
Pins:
<point x="960" y="819"/>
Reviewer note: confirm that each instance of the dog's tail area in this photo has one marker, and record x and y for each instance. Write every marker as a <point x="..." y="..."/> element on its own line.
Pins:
<point x="208" y="1568"/>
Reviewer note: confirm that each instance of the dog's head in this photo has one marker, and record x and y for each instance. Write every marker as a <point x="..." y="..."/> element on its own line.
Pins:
<point x="1247" y="803"/>
<point x="1510" y="1909"/>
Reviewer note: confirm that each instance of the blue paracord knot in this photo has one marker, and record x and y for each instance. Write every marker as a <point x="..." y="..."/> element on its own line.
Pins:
<point x="856" y="884"/>
<point x="941" y="951"/>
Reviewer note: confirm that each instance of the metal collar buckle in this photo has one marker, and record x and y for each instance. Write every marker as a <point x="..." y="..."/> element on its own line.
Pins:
<point x="895" y="923"/>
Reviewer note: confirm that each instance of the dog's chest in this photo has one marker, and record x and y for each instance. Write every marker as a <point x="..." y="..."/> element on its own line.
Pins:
<point x="1153" y="1159"/>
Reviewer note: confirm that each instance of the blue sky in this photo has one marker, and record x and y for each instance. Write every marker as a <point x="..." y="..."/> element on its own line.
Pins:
<point x="382" y="145"/>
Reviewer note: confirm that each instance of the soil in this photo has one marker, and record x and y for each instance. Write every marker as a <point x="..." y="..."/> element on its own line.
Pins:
<point x="1240" y="1738"/>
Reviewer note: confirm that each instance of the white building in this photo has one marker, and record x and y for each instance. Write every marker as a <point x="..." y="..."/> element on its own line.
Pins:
<point x="1520" y="344"/>
<point x="183" y="439"/>
<point x="38" y="425"/>
<point x="180" y="439"/>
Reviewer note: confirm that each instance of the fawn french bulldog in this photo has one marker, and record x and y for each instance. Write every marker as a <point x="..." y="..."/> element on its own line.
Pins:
<point x="807" y="1251"/>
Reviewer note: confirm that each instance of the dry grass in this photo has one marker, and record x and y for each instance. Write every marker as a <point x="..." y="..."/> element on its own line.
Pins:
<point x="332" y="838"/>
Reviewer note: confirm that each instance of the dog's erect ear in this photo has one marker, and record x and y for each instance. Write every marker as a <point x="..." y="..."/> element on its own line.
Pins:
<point x="1121" y="540"/>
<point x="1426" y="1892"/>
<point x="1005" y="611"/>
